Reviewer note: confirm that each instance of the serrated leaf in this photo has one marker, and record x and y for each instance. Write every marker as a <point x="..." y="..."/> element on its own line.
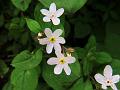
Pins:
<point x="33" y="25"/>
<point x="25" y="60"/>
<point x="21" y="4"/>
<point x="24" y="79"/>
<point x="103" y="57"/>
<point x="70" y="6"/>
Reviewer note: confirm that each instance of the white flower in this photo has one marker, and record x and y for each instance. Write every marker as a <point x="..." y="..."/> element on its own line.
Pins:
<point x="61" y="63"/>
<point x="53" y="40"/>
<point x="52" y="14"/>
<point x="107" y="79"/>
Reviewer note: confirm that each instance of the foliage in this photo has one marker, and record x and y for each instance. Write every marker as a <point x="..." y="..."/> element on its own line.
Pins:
<point x="90" y="27"/>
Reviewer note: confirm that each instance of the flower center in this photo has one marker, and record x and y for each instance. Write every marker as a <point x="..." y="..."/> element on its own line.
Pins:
<point x="109" y="82"/>
<point x="52" y="39"/>
<point x="62" y="61"/>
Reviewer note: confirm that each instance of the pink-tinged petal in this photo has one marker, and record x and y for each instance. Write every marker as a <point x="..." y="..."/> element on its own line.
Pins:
<point x="57" y="47"/>
<point x="59" y="54"/>
<point x="67" y="69"/>
<point x="59" y="12"/>
<point x="113" y="86"/>
<point x="43" y="41"/>
<point x="61" y="40"/>
<point x="104" y="87"/>
<point x="108" y="71"/>
<point x="70" y="59"/>
<point x="52" y="8"/>
<point x="46" y="19"/>
<point x="52" y="61"/>
<point x="49" y="48"/>
<point x="57" y="32"/>
<point x="58" y="69"/>
<point x="44" y="12"/>
<point x="48" y="32"/>
<point x="115" y="78"/>
<point x="100" y="78"/>
<point x="56" y="21"/>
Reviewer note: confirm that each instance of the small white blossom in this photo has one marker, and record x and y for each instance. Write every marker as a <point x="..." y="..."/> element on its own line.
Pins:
<point x="61" y="63"/>
<point x="107" y="79"/>
<point x="53" y="40"/>
<point x="52" y="14"/>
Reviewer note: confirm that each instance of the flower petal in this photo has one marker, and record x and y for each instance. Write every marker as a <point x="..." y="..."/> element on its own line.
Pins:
<point x="108" y="71"/>
<point x="46" y="19"/>
<point x="48" y="32"/>
<point x="59" y="12"/>
<point x="100" y="78"/>
<point x="57" y="47"/>
<point x="58" y="69"/>
<point x="104" y="87"/>
<point x="59" y="54"/>
<point x="52" y="7"/>
<point x="52" y="61"/>
<point x="44" y="12"/>
<point x="43" y="41"/>
<point x="70" y="59"/>
<point x="115" y="78"/>
<point x="67" y="69"/>
<point x="61" y="40"/>
<point x="49" y="48"/>
<point x="56" y="21"/>
<point x="113" y="86"/>
<point x="57" y="32"/>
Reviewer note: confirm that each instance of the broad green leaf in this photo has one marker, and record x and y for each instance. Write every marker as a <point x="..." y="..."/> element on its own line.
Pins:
<point x="70" y="6"/>
<point x="62" y="81"/>
<point x="91" y="45"/>
<point x="21" y="4"/>
<point x="81" y="85"/>
<point x="87" y="67"/>
<point x="25" y="79"/>
<point x="88" y="85"/>
<point x="80" y="52"/>
<point x="8" y="86"/>
<point x="25" y="60"/>
<point x="103" y="57"/>
<point x="33" y="25"/>
<point x="78" y="85"/>
<point x="3" y="68"/>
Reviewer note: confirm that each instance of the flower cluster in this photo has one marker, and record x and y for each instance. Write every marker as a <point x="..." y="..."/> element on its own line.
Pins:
<point x="54" y="40"/>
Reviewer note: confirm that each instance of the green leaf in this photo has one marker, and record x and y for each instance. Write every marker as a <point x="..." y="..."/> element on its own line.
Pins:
<point x="3" y="68"/>
<point x="103" y="57"/>
<point x="8" y="86"/>
<point x="33" y="25"/>
<point x="62" y="81"/>
<point x="25" y="60"/>
<point x="21" y="4"/>
<point x="70" y="6"/>
<point x="81" y="85"/>
<point x="91" y="45"/>
<point x="25" y="79"/>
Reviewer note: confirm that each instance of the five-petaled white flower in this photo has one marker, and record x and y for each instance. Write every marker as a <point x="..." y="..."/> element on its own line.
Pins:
<point x="107" y="79"/>
<point x="61" y="63"/>
<point x="52" y="14"/>
<point x="53" y="40"/>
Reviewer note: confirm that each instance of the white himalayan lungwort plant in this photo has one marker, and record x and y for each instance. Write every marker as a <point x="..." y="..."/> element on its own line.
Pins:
<point x="61" y="63"/>
<point x="52" y="14"/>
<point x="53" y="40"/>
<point x="107" y="79"/>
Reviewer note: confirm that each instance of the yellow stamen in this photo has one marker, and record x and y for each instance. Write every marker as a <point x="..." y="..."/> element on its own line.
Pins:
<point x="62" y="61"/>
<point x="52" y="39"/>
